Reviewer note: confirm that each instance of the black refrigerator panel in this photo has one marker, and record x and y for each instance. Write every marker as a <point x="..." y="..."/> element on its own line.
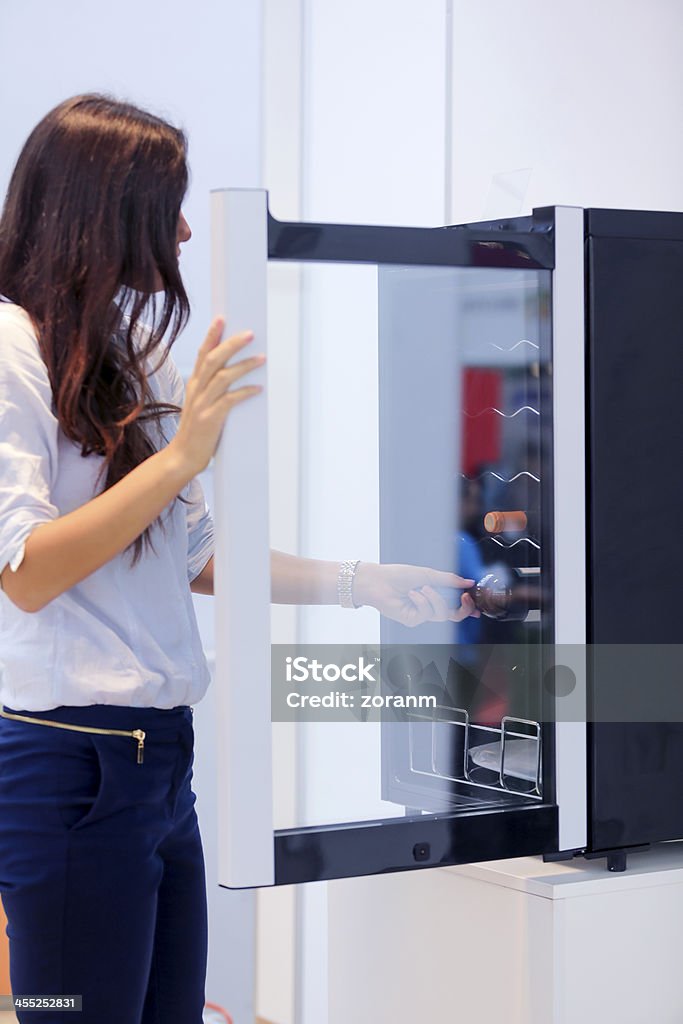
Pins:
<point x="635" y="555"/>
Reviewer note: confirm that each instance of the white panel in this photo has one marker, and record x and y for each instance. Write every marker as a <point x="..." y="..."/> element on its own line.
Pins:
<point x="442" y="949"/>
<point x="580" y="94"/>
<point x="374" y="109"/>
<point x="242" y="555"/>
<point x="569" y="458"/>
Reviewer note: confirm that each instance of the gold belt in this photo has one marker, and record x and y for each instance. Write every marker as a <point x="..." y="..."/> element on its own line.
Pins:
<point x="137" y="734"/>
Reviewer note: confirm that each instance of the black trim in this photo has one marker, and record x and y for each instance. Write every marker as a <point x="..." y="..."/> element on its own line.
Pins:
<point x="525" y="242"/>
<point x="648" y="224"/>
<point x="377" y="847"/>
<point x="547" y="554"/>
<point x="617" y="859"/>
<point x="589" y="556"/>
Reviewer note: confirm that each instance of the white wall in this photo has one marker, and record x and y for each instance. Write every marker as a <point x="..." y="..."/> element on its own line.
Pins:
<point x="200" y="66"/>
<point x="581" y="98"/>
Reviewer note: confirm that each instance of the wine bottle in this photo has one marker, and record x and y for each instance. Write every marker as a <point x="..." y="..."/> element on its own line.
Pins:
<point x="507" y="593"/>
<point x="515" y="521"/>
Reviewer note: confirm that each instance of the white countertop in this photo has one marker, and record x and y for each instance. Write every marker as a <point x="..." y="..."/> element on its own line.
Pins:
<point x="660" y="865"/>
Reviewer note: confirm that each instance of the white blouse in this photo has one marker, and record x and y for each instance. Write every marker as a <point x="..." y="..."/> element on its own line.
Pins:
<point x="123" y="635"/>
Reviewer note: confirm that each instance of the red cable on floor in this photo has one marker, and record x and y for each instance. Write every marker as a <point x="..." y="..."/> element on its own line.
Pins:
<point x="219" y="1009"/>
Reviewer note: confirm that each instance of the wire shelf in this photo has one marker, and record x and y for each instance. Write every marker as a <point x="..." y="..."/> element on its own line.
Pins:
<point x="510" y="763"/>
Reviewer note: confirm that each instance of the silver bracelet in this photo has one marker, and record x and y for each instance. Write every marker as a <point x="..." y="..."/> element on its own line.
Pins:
<point x="347" y="571"/>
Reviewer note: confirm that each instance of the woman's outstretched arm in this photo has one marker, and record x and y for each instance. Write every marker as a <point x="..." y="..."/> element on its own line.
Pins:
<point x="294" y="580"/>
<point x="410" y="594"/>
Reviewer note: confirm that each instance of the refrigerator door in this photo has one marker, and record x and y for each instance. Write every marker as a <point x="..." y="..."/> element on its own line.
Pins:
<point x="426" y="410"/>
<point x="635" y="352"/>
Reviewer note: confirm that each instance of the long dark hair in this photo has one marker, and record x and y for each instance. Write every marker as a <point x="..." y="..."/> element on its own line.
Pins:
<point x="87" y="231"/>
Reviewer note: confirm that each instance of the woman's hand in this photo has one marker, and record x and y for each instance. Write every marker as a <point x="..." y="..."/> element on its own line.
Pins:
<point x="408" y="594"/>
<point x="209" y="398"/>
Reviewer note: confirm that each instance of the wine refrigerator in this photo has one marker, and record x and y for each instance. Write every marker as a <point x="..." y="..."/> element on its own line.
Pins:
<point x="488" y="414"/>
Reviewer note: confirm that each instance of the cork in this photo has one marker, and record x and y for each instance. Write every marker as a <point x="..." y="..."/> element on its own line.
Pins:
<point x="505" y="522"/>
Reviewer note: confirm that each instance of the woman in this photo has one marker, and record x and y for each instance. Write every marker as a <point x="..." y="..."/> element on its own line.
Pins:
<point x="104" y="533"/>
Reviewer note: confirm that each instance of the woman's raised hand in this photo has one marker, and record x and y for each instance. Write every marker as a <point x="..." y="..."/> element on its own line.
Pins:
<point x="209" y="397"/>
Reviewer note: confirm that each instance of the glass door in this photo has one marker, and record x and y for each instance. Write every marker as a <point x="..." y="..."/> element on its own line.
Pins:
<point x="468" y="486"/>
<point x="419" y="436"/>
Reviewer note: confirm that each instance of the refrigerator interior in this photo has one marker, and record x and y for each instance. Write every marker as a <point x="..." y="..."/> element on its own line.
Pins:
<point x="465" y="431"/>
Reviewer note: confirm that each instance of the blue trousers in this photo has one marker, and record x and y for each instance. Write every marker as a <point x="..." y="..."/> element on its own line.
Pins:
<point x="101" y="866"/>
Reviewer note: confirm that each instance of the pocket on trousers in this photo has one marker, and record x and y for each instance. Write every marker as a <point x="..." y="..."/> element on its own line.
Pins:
<point x="81" y="784"/>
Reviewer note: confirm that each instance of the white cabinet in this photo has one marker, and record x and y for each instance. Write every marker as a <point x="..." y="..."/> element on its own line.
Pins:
<point x="517" y="941"/>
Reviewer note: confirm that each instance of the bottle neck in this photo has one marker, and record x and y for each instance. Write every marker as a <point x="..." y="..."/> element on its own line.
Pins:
<point x="508" y="593"/>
